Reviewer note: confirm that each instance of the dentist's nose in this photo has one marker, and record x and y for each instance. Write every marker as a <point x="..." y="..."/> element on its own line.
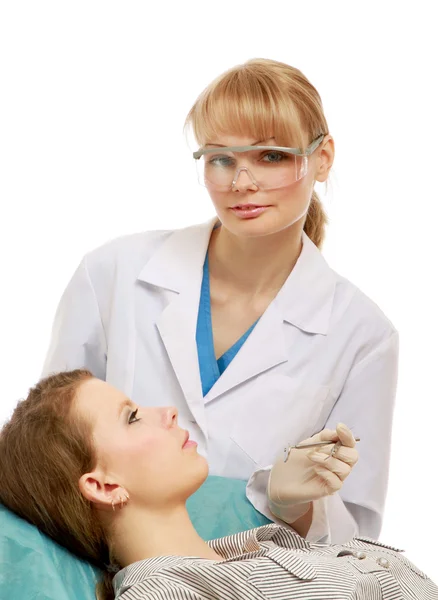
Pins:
<point x="243" y="181"/>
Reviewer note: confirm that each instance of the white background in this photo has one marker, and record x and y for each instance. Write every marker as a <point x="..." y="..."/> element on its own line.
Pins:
<point x="92" y="103"/>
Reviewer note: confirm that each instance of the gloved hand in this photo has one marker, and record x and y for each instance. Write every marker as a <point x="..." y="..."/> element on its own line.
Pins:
<point x="308" y="476"/>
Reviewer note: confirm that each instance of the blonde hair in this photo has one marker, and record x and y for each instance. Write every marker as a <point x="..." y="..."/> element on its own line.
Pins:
<point x="264" y="98"/>
<point x="45" y="448"/>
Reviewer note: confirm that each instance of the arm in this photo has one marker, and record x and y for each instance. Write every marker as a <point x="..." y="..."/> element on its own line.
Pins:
<point x="78" y="339"/>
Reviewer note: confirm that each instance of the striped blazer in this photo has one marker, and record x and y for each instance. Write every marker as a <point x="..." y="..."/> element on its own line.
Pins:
<point x="275" y="563"/>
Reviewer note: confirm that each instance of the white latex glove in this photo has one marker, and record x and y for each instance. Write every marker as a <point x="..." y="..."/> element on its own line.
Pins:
<point x="309" y="475"/>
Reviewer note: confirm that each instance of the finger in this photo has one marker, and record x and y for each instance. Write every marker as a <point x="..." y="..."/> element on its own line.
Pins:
<point x="350" y="456"/>
<point x="329" y="480"/>
<point x="327" y="435"/>
<point x="345" y="435"/>
<point x="347" y="455"/>
<point x="331" y="444"/>
<point x="327" y="450"/>
<point x="339" y="468"/>
<point x="345" y="438"/>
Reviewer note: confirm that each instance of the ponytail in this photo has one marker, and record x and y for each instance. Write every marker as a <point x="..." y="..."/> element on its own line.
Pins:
<point x="316" y="221"/>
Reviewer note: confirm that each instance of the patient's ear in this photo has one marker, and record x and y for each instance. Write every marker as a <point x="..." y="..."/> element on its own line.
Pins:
<point x="95" y="487"/>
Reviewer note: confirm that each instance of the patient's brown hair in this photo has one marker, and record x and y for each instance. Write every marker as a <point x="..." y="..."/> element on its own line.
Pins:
<point x="45" y="448"/>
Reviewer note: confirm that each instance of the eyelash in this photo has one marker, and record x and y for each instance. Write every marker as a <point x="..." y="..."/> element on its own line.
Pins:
<point x="133" y="414"/>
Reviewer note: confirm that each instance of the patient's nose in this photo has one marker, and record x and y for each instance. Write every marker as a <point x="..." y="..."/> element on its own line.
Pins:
<point x="170" y="416"/>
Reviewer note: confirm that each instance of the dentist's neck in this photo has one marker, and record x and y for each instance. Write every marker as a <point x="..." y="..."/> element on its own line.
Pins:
<point x="254" y="264"/>
<point x="140" y="534"/>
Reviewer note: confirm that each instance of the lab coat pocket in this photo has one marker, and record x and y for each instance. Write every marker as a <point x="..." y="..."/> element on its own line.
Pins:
<point x="279" y="410"/>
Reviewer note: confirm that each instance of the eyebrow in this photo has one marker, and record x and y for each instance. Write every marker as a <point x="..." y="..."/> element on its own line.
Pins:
<point x="254" y="144"/>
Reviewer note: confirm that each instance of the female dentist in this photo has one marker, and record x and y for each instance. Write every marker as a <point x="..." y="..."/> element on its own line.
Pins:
<point x="240" y="323"/>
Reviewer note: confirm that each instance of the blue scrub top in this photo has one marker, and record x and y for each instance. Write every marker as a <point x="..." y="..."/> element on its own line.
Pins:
<point x="210" y="368"/>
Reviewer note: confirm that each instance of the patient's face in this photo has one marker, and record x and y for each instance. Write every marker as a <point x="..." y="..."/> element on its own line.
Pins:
<point x="141" y="449"/>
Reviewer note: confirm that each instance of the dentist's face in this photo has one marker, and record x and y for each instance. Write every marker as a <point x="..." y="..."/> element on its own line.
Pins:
<point x="245" y="210"/>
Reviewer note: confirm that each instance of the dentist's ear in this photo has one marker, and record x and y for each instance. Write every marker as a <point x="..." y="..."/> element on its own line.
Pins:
<point x="104" y="495"/>
<point x="326" y="156"/>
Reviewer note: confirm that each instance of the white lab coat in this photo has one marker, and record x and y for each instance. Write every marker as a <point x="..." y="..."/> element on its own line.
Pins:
<point x="321" y="353"/>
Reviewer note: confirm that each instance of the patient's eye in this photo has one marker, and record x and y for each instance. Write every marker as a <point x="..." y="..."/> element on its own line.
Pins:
<point x="133" y="417"/>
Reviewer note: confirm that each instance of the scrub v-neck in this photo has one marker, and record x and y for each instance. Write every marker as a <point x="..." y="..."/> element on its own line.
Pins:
<point x="211" y="369"/>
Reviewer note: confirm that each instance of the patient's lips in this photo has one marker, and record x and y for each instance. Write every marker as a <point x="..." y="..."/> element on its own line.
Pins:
<point x="188" y="443"/>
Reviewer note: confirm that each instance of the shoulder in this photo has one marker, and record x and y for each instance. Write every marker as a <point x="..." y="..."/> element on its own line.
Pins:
<point x="321" y="300"/>
<point x="129" y="254"/>
<point x="131" y="251"/>
<point x="352" y="308"/>
<point x="123" y="260"/>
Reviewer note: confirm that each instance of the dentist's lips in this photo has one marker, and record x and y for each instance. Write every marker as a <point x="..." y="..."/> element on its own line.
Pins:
<point x="248" y="211"/>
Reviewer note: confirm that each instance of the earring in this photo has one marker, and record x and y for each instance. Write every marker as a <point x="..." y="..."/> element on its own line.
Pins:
<point x="122" y="500"/>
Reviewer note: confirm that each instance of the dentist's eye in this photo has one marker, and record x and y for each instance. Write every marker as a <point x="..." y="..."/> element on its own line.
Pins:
<point x="133" y="417"/>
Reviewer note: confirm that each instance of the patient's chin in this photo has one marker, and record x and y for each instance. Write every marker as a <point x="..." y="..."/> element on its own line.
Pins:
<point x="197" y="476"/>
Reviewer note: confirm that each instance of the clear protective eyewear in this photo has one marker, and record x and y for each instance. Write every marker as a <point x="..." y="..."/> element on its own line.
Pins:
<point x="267" y="167"/>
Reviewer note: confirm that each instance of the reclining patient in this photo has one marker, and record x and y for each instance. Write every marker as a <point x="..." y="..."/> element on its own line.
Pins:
<point x="110" y="482"/>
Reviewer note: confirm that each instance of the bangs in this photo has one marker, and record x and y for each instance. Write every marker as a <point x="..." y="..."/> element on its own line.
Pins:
<point x="247" y="103"/>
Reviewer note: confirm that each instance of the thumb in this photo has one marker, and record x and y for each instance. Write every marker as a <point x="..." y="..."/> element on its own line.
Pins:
<point x="346" y="436"/>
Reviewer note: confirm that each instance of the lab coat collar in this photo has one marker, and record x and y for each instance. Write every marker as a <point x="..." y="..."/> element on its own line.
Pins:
<point x="304" y="301"/>
<point x="306" y="298"/>
<point x="177" y="264"/>
<point x="177" y="268"/>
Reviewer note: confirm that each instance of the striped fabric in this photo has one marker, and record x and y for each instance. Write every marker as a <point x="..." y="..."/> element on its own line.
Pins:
<point x="275" y="563"/>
